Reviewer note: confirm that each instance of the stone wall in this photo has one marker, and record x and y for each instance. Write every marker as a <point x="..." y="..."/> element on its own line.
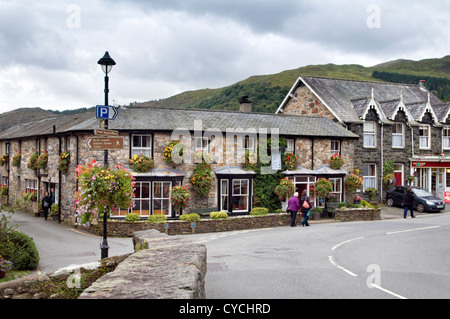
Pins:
<point x="178" y="227"/>
<point x="165" y="268"/>
<point x="357" y="214"/>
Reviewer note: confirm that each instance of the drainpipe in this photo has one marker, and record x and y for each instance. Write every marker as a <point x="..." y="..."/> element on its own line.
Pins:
<point x="382" y="160"/>
<point x="59" y="175"/>
<point x="412" y="148"/>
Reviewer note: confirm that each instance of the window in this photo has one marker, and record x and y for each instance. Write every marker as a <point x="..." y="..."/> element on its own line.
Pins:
<point x="290" y="146"/>
<point x="202" y="144"/>
<point x="369" y="176"/>
<point x="142" y="144"/>
<point x="161" y="198"/>
<point x="31" y="185"/>
<point x="335" y="147"/>
<point x="398" y="135"/>
<point x="142" y="198"/>
<point x="337" y="188"/>
<point x="446" y="137"/>
<point x="369" y="134"/>
<point x="249" y="144"/>
<point x="224" y="195"/>
<point x="424" y="136"/>
<point x="240" y="195"/>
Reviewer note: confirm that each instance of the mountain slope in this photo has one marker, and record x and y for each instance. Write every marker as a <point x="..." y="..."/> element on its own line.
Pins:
<point x="267" y="91"/>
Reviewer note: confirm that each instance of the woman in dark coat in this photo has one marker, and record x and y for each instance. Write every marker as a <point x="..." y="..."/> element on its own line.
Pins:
<point x="46" y="204"/>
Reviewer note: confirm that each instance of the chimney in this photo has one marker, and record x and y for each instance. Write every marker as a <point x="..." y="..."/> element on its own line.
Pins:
<point x="422" y="85"/>
<point x="245" y="106"/>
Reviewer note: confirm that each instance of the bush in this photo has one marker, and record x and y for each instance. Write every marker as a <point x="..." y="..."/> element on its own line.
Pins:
<point x="190" y="217"/>
<point x="21" y="250"/>
<point x="342" y="204"/>
<point x="259" y="211"/>
<point x="132" y="217"/>
<point x="157" y="218"/>
<point x="219" y="215"/>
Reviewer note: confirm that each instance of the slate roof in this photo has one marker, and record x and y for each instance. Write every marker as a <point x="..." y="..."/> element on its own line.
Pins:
<point x="348" y="99"/>
<point x="166" y="119"/>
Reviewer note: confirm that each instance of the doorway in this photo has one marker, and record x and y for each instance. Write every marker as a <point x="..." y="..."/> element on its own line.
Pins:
<point x="437" y="182"/>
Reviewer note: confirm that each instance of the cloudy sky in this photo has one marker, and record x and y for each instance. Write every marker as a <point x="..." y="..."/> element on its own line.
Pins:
<point x="49" y="49"/>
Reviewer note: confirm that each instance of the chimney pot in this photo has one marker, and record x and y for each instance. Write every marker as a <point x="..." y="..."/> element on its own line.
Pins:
<point x="245" y="106"/>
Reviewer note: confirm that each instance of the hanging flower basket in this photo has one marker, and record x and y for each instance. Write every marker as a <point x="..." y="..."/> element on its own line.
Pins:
<point x="4" y="159"/>
<point x="336" y="161"/>
<point x="323" y="187"/>
<point x="291" y="161"/>
<point x="42" y="160"/>
<point x="173" y="153"/>
<point x="64" y="160"/>
<point x="285" y="190"/>
<point x="32" y="162"/>
<point x="202" y="179"/>
<point x="354" y="181"/>
<point x="141" y="163"/>
<point x="17" y="159"/>
<point x="250" y="161"/>
<point x="180" y="196"/>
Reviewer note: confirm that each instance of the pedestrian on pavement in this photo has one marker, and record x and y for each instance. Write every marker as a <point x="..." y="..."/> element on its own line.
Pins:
<point x="46" y="204"/>
<point x="305" y="204"/>
<point x="408" y="203"/>
<point x="293" y="208"/>
<point x="52" y="195"/>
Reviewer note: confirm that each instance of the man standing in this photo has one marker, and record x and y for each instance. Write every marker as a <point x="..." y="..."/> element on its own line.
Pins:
<point x="408" y="203"/>
<point x="52" y="195"/>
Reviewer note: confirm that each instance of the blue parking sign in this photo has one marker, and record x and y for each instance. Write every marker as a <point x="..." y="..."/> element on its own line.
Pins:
<point x="106" y="112"/>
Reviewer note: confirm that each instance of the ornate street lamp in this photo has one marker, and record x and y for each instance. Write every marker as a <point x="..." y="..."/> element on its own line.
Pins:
<point x="106" y="63"/>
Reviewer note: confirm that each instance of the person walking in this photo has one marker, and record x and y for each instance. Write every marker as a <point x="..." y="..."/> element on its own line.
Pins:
<point x="293" y="208"/>
<point x="305" y="205"/>
<point x="408" y="203"/>
<point x="46" y="204"/>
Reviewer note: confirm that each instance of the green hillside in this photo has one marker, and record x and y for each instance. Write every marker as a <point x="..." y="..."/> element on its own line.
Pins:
<point x="267" y="91"/>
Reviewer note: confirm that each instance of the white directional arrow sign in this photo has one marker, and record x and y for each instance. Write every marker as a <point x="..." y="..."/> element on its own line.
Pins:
<point x="106" y="112"/>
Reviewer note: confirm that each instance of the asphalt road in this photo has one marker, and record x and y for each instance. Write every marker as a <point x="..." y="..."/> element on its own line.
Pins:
<point x="60" y="245"/>
<point x="388" y="259"/>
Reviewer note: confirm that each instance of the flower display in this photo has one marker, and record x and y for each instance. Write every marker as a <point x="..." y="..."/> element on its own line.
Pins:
<point x="291" y="161"/>
<point x="5" y="265"/>
<point x="180" y="196"/>
<point x="32" y="161"/>
<point x="202" y="179"/>
<point x="336" y="161"/>
<point x="42" y="160"/>
<point x="141" y="163"/>
<point x="16" y="159"/>
<point x="250" y="161"/>
<point x="354" y="181"/>
<point x="285" y="190"/>
<point x="4" y="159"/>
<point x="201" y="156"/>
<point x="4" y="190"/>
<point x="101" y="187"/>
<point x="64" y="160"/>
<point x="323" y="187"/>
<point x="173" y="153"/>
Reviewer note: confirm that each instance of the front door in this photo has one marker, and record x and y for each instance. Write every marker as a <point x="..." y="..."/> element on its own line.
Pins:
<point x="437" y="182"/>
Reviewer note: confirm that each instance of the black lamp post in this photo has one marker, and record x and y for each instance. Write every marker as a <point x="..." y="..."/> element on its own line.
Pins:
<point x="107" y="63"/>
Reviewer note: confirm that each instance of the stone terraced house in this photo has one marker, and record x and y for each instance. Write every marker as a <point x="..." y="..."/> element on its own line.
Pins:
<point x="402" y="123"/>
<point x="223" y="134"/>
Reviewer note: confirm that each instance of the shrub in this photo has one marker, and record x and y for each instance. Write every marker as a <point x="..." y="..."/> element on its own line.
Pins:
<point x="132" y="217"/>
<point x="190" y="217"/>
<point x="259" y="211"/>
<point x="219" y="215"/>
<point x="21" y="250"/>
<point x="342" y="204"/>
<point x="157" y="218"/>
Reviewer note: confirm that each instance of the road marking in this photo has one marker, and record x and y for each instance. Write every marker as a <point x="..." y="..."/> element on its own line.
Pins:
<point x="346" y="242"/>
<point x="341" y="268"/>
<point x="388" y="291"/>
<point x="409" y="230"/>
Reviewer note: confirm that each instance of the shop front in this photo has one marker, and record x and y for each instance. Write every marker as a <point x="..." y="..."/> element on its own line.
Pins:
<point x="433" y="175"/>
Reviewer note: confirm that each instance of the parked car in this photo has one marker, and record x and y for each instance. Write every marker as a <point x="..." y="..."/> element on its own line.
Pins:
<point x="424" y="200"/>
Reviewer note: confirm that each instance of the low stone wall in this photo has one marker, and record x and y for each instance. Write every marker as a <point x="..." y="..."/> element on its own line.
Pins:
<point x="163" y="267"/>
<point x="357" y="214"/>
<point x="179" y="227"/>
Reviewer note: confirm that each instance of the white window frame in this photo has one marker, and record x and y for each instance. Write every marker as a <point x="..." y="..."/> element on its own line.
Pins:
<point x="368" y="178"/>
<point x="138" y="197"/>
<point x="337" y="187"/>
<point x="202" y="144"/>
<point x="224" y="194"/>
<point x="398" y="136"/>
<point x="369" y="130"/>
<point x="335" y="147"/>
<point x="249" y="144"/>
<point x="247" y="196"/>
<point x="138" y="150"/>
<point x="31" y="185"/>
<point x="446" y="138"/>
<point x="290" y="145"/>
<point x="425" y="139"/>
<point x="162" y="198"/>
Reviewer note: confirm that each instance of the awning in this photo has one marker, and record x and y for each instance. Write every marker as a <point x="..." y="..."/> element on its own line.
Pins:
<point x="323" y="170"/>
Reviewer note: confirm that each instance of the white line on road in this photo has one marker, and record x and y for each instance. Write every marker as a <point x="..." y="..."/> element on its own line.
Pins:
<point x="388" y="291"/>
<point x="346" y="242"/>
<point x="409" y="230"/>
<point x="341" y="268"/>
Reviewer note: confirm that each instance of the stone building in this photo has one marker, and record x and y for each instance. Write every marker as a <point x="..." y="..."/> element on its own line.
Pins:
<point x="224" y="135"/>
<point x="404" y="124"/>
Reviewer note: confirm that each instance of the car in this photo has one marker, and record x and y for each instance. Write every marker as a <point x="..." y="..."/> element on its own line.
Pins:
<point x="423" y="199"/>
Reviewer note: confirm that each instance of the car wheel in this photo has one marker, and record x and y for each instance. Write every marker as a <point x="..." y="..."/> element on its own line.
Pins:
<point x="420" y="208"/>
<point x="390" y="202"/>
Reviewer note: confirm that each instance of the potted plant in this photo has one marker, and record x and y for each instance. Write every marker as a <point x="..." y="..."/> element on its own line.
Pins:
<point x="317" y="212"/>
<point x="284" y="191"/>
<point x="5" y="265"/>
<point x="357" y="199"/>
<point x="141" y="163"/>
